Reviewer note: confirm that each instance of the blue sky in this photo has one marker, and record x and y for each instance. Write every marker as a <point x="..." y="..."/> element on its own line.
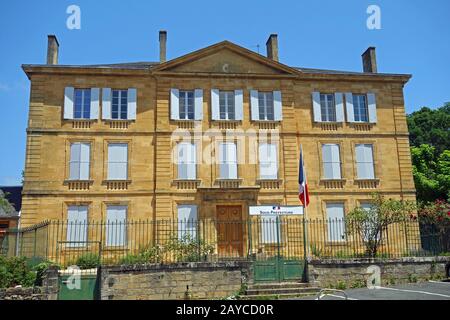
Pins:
<point x="414" y="38"/>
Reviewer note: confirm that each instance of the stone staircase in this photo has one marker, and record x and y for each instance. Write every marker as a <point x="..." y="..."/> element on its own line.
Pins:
<point x="282" y="290"/>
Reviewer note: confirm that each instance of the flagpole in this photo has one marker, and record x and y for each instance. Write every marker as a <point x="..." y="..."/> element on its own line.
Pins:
<point x="305" y="236"/>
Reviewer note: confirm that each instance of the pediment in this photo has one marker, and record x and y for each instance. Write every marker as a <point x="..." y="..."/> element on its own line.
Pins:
<point x="225" y="57"/>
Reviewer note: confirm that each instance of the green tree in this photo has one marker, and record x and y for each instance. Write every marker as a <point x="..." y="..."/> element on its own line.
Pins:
<point x="431" y="173"/>
<point x="431" y="127"/>
<point x="371" y="224"/>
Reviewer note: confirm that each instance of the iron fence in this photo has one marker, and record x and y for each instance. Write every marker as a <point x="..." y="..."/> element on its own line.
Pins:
<point x="258" y="238"/>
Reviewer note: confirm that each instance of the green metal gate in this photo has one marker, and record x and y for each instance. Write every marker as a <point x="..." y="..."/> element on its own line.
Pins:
<point x="277" y="244"/>
<point x="85" y="289"/>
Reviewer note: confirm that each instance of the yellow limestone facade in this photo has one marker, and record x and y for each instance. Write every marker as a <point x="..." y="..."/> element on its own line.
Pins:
<point x="150" y="185"/>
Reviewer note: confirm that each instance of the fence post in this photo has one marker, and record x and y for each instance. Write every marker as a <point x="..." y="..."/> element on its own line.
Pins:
<point x="249" y="237"/>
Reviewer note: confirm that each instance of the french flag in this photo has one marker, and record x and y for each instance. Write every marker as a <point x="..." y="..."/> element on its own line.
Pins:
<point x="302" y="183"/>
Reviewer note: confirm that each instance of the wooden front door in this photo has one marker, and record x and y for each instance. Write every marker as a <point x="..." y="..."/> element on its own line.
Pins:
<point x="230" y="231"/>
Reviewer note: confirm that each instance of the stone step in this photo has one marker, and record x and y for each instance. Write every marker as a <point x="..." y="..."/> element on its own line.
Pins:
<point x="278" y="291"/>
<point x="277" y="296"/>
<point x="279" y="285"/>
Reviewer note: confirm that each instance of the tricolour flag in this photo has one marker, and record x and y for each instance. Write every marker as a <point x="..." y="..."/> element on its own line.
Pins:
<point x="302" y="183"/>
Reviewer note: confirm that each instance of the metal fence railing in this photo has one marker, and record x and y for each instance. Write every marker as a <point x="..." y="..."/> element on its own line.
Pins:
<point x="258" y="238"/>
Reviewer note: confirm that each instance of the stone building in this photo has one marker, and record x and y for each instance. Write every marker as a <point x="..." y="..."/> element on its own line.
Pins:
<point x="213" y="134"/>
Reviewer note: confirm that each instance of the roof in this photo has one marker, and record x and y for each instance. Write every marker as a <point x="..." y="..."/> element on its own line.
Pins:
<point x="13" y="195"/>
<point x="157" y="66"/>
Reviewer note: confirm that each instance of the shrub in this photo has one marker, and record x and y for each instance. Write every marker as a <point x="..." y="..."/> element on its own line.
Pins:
<point x="88" y="261"/>
<point x="189" y="249"/>
<point x="15" y="271"/>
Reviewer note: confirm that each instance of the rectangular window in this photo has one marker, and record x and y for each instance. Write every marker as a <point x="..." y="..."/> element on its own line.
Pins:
<point x="79" y="161"/>
<point x="116" y="226"/>
<point x="270" y="229"/>
<point x="331" y="161"/>
<point x="266" y="109"/>
<point x="186" y="102"/>
<point x="335" y="223"/>
<point x="360" y="108"/>
<point x="77" y="226"/>
<point x="119" y="105"/>
<point x="187" y="222"/>
<point x="328" y="107"/>
<point x="82" y="106"/>
<point x="117" y="161"/>
<point x="187" y="161"/>
<point x="226" y="105"/>
<point x="228" y="160"/>
<point x="364" y="161"/>
<point x="268" y="161"/>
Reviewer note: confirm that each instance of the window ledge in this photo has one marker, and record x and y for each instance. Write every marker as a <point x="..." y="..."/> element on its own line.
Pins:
<point x="227" y="124"/>
<point x="269" y="183"/>
<point x="186" y="183"/>
<point x="229" y="183"/>
<point x="329" y="126"/>
<point x="361" y="126"/>
<point x="186" y="124"/>
<point x="81" y="123"/>
<point x="332" y="183"/>
<point x="367" y="183"/>
<point x="119" y="123"/>
<point x="117" y="184"/>
<point x="78" y="184"/>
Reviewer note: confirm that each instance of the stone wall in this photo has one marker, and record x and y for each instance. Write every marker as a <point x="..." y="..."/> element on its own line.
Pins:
<point x="353" y="273"/>
<point x="148" y="282"/>
<point x="36" y="293"/>
<point x="48" y="290"/>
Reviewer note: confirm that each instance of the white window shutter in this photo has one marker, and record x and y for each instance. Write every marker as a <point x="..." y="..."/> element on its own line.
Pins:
<point x="349" y="107"/>
<point x="174" y="104"/>
<point x="117" y="161"/>
<point x="215" y="111"/>
<point x="187" y="221"/>
<point x="106" y="103"/>
<point x="132" y="104"/>
<point x="198" y="96"/>
<point x="277" y="106"/>
<point x="339" y="99"/>
<point x="316" y="107"/>
<point x="85" y="154"/>
<point x="254" y="102"/>
<point x="116" y="217"/>
<point x="95" y="103"/>
<point x="74" y="164"/>
<point x="239" y="104"/>
<point x="372" y="106"/>
<point x="192" y="168"/>
<point x="68" y="102"/>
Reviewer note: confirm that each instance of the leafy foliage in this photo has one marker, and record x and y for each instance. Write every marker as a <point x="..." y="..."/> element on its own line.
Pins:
<point x="184" y="249"/>
<point x="431" y="173"/>
<point x="371" y="224"/>
<point x="430" y="149"/>
<point x="431" y="127"/>
<point x="15" y="271"/>
<point x="88" y="261"/>
<point x="437" y="216"/>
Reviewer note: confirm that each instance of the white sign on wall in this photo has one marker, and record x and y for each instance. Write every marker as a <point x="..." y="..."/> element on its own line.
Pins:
<point x="275" y="210"/>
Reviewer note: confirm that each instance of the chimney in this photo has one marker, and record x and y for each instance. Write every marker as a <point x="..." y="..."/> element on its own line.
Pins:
<point x="369" y="60"/>
<point x="162" y="46"/>
<point x="52" y="50"/>
<point x="272" y="47"/>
